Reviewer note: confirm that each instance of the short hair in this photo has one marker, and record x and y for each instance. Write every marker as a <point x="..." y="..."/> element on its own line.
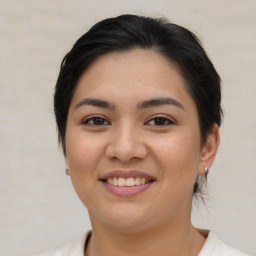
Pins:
<point x="126" y="32"/>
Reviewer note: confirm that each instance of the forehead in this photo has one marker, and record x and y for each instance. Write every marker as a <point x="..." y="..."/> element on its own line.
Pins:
<point x="132" y="62"/>
<point x="136" y="74"/>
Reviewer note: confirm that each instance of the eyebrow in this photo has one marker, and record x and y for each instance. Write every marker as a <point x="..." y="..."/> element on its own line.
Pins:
<point x="159" y="102"/>
<point x="95" y="103"/>
<point x="142" y="105"/>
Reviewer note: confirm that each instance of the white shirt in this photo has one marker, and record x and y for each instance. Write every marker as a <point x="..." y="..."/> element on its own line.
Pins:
<point x="213" y="246"/>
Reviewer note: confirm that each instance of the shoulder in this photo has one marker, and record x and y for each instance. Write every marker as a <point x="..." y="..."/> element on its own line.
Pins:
<point x="75" y="248"/>
<point x="215" y="247"/>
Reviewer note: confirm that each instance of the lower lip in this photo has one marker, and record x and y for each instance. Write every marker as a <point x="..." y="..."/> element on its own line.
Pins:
<point x="126" y="191"/>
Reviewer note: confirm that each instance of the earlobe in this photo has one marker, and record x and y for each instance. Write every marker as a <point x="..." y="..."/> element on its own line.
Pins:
<point x="67" y="165"/>
<point x="203" y="171"/>
<point x="67" y="172"/>
<point x="209" y="150"/>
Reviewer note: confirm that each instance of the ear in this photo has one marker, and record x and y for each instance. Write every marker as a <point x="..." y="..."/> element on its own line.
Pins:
<point x="209" y="149"/>
<point x="67" y="164"/>
<point x="66" y="158"/>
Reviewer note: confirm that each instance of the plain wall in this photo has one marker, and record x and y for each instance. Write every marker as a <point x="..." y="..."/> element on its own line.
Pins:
<point x="39" y="209"/>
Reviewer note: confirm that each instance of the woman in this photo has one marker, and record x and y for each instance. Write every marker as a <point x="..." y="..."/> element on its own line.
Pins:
<point x="137" y="106"/>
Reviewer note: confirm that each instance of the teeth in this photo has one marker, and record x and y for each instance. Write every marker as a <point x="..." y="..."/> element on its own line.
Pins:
<point x="121" y="182"/>
<point x="115" y="181"/>
<point x="137" y="181"/>
<point x="110" y="181"/>
<point x="129" y="182"/>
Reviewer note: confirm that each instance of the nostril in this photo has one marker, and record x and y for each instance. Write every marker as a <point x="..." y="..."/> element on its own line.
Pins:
<point x="126" y="148"/>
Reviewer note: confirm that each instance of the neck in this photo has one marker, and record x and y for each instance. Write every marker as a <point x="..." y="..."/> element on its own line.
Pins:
<point x="169" y="237"/>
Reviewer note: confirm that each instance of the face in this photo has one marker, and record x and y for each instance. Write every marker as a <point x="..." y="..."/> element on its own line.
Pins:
<point x="133" y="147"/>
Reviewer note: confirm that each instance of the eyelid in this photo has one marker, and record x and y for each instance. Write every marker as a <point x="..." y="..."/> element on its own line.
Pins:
<point x="170" y="120"/>
<point x="86" y="120"/>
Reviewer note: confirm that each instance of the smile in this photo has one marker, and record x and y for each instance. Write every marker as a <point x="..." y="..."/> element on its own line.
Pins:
<point x="127" y="182"/>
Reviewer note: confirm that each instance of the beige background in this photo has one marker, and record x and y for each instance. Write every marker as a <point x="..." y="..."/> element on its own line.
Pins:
<point x="38" y="207"/>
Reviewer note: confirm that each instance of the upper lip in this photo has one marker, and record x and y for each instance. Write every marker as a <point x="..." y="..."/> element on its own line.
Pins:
<point x="126" y="174"/>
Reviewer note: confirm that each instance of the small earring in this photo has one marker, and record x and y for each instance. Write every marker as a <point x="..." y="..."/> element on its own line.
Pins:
<point x="206" y="170"/>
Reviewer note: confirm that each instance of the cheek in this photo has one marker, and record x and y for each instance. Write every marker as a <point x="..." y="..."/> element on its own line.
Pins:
<point x="178" y="159"/>
<point x="178" y="154"/>
<point x="83" y="152"/>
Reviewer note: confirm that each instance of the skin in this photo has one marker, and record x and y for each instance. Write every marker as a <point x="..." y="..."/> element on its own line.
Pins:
<point x="126" y="137"/>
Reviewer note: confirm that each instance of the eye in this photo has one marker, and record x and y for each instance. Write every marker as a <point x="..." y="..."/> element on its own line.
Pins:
<point x="96" y="121"/>
<point x="159" y="121"/>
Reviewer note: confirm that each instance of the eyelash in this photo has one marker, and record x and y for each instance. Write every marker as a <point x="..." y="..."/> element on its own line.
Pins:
<point x="94" y="118"/>
<point x="160" y="118"/>
<point x="164" y="121"/>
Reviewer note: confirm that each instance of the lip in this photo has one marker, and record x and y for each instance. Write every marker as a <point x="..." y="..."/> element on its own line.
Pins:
<point x="126" y="190"/>
<point x="126" y="174"/>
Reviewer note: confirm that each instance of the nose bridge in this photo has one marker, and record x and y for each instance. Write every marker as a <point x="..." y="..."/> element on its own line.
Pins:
<point x="126" y="142"/>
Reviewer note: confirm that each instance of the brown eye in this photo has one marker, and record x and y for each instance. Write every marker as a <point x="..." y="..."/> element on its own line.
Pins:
<point x="160" y="121"/>
<point x="95" y="121"/>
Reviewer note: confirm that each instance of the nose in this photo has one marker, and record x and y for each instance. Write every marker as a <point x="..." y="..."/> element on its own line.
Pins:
<point x="126" y="144"/>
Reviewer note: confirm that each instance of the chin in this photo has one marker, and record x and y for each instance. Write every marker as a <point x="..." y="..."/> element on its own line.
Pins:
<point x="124" y="219"/>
